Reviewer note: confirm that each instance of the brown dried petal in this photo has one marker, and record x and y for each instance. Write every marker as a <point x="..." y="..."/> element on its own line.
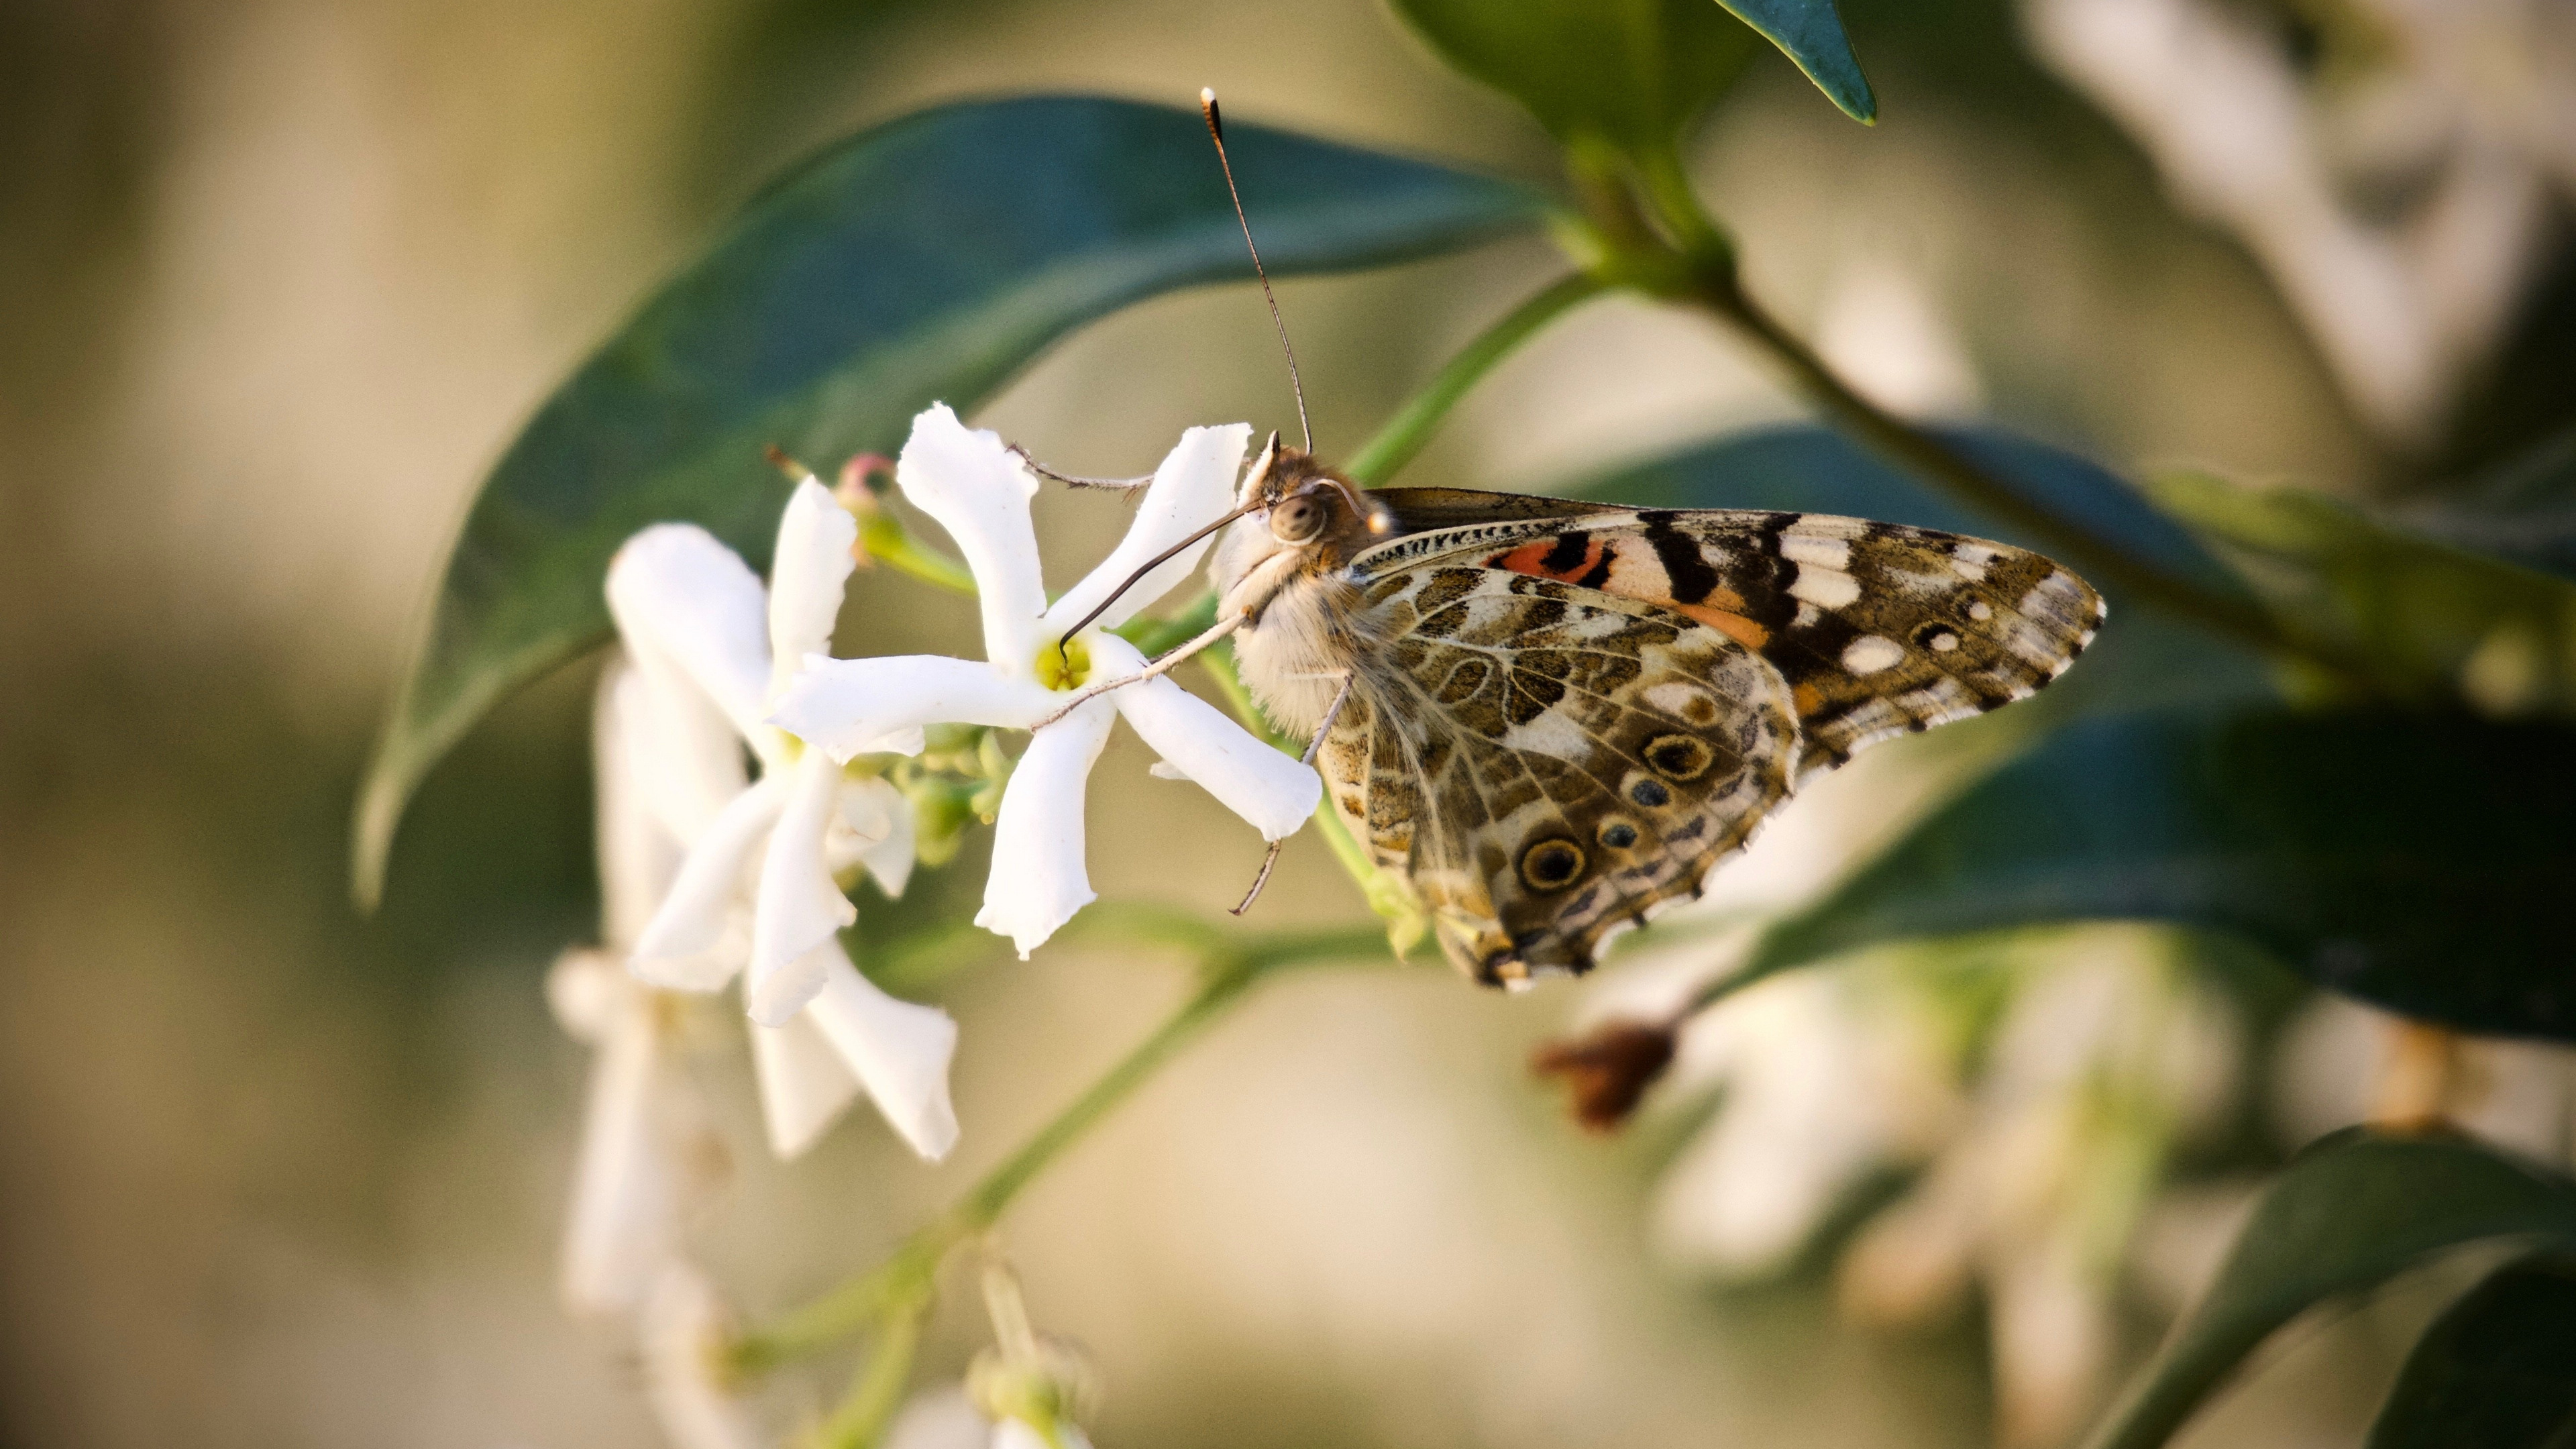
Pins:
<point x="1609" y="1068"/>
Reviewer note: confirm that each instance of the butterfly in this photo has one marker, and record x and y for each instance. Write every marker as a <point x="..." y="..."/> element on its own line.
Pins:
<point x="1552" y="717"/>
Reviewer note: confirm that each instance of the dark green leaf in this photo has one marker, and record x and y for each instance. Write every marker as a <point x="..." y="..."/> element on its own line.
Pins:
<point x="2525" y="513"/>
<point x="2344" y="1215"/>
<point x="2416" y="861"/>
<point x="2430" y="620"/>
<point x="926" y="259"/>
<point x="1810" y="33"/>
<point x="1629" y="72"/>
<point x="2495" y="1371"/>
<point x="2139" y="658"/>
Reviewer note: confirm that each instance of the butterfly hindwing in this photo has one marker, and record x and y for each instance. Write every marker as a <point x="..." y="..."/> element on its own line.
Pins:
<point x="1547" y="763"/>
<point x="1523" y="661"/>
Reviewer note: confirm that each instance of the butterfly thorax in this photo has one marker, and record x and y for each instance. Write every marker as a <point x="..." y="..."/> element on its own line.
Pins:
<point x="1285" y="567"/>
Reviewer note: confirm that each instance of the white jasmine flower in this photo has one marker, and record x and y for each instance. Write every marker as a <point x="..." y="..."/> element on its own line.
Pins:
<point x="624" y="1225"/>
<point x="684" y="1328"/>
<point x="979" y="491"/>
<point x="756" y="890"/>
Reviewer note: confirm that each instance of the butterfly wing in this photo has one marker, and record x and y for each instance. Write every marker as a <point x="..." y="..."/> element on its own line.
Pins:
<point x="1880" y="629"/>
<point x="1547" y="763"/>
<point x="1527" y="664"/>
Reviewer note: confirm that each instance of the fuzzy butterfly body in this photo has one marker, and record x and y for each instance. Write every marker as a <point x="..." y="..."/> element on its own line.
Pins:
<point x="1556" y="716"/>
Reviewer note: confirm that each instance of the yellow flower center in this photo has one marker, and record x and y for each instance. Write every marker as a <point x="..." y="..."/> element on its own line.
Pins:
<point x="1065" y="669"/>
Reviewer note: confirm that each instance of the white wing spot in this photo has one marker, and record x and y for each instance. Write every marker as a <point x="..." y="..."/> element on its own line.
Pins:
<point x="1824" y="588"/>
<point x="1823" y="553"/>
<point x="1981" y="611"/>
<point x="1870" y="653"/>
<point x="1944" y="642"/>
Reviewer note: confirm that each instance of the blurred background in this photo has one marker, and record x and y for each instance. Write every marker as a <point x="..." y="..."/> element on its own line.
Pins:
<point x="278" y="278"/>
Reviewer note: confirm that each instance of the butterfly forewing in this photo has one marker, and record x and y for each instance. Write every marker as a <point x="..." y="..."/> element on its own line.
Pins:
<point x="1565" y="713"/>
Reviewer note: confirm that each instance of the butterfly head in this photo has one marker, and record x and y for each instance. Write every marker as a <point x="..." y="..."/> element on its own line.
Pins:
<point x="1299" y="519"/>
<point x="1304" y="504"/>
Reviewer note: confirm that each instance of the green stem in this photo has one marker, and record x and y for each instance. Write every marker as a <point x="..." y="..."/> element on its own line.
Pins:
<point x="904" y="1281"/>
<point x="884" y="537"/>
<point x="877" y="1392"/>
<point x="1405" y="434"/>
<point x="1704" y="275"/>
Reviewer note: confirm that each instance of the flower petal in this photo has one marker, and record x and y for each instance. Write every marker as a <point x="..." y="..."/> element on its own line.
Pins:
<point x="691" y="611"/>
<point x="850" y="707"/>
<point x="1193" y="488"/>
<point x="586" y="991"/>
<point x="806" y="577"/>
<point x="899" y="1049"/>
<point x="623" y="1227"/>
<point x="798" y="906"/>
<point x="1037" y="880"/>
<point x="940" y="1418"/>
<point x="878" y="820"/>
<point x="1270" y="789"/>
<point x="639" y="848"/>
<point x="972" y="486"/>
<point x="680" y="945"/>
<point x="804" y="1087"/>
<point x="683" y="1328"/>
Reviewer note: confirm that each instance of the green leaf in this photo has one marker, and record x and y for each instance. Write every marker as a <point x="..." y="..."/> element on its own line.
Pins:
<point x="927" y="259"/>
<point x="2525" y="513"/>
<point x="1629" y="72"/>
<point x="2344" y="1215"/>
<point x="2430" y="619"/>
<point x="2417" y="861"/>
<point x="2496" y="1371"/>
<point x="1811" y="33"/>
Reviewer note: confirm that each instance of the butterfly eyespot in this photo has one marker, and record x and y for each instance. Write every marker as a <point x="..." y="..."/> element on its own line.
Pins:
<point x="1551" y="864"/>
<point x="1297" y="519"/>
<point x="1618" y="835"/>
<point x="1679" y="757"/>
<point x="1650" y="793"/>
<point x="1937" y="638"/>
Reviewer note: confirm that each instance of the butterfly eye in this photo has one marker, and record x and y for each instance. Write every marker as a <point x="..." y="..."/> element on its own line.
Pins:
<point x="1297" y="519"/>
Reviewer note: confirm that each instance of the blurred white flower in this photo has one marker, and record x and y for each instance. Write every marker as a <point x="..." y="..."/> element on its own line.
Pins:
<point x="703" y="637"/>
<point x="2038" y="1154"/>
<point x="2398" y="192"/>
<point x="978" y="490"/>
<point x="946" y="1418"/>
<point x="2342" y="1062"/>
<point x="1883" y="331"/>
<point x="1826" y="1082"/>
<point x="684" y="1328"/>
<point x="624" y="1223"/>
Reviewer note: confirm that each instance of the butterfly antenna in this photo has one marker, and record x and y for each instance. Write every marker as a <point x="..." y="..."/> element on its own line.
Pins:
<point x="1216" y="133"/>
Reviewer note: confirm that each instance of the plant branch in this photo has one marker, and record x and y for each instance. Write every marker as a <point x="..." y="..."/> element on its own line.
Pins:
<point x="903" y="1283"/>
<point x="1935" y="458"/>
<point x="877" y="1390"/>
<point x="1405" y="434"/>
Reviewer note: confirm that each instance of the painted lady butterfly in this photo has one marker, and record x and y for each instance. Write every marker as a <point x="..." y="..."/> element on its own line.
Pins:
<point x="1554" y="716"/>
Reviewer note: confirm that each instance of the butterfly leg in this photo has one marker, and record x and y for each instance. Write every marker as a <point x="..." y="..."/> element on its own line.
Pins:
<point x="1312" y="747"/>
<point x="1071" y="480"/>
<point x="1155" y="670"/>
